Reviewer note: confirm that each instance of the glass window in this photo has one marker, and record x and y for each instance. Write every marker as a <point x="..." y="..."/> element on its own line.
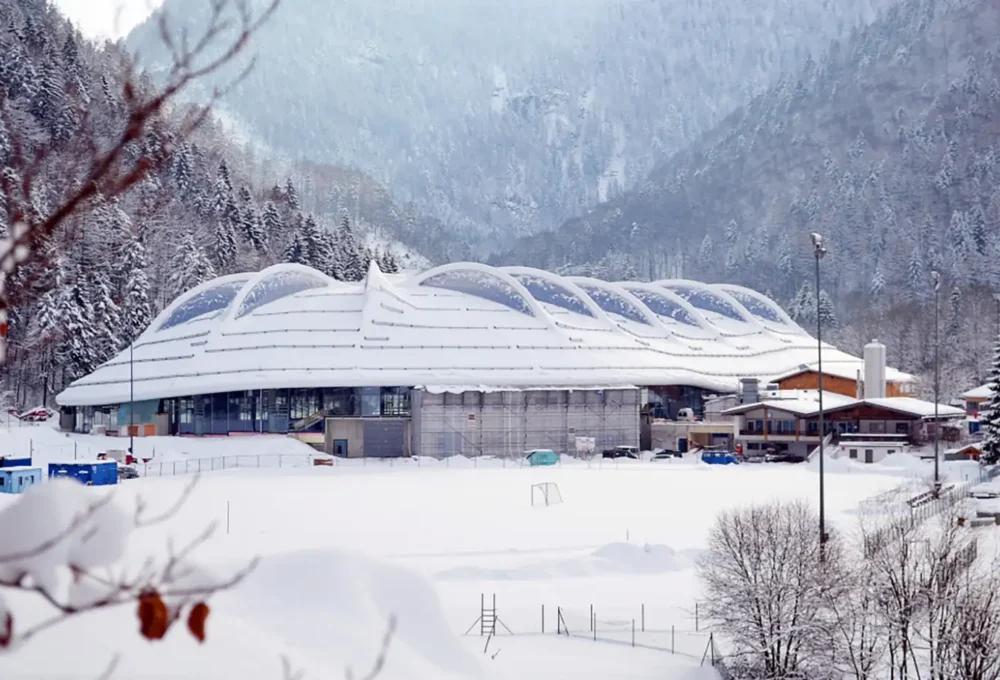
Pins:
<point x="762" y="310"/>
<point x="613" y="303"/>
<point x="854" y="453"/>
<point x="371" y="402"/>
<point x="663" y="306"/>
<point x="482" y="285"/>
<point x="552" y="293"/>
<point x="206" y="302"/>
<point x="707" y="301"/>
<point x="396" y="401"/>
<point x="303" y="403"/>
<point x="339" y="402"/>
<point x="277" y="286"/>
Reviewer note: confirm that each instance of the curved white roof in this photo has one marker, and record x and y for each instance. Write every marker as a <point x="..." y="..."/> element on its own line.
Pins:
<point x="458" y="324"/>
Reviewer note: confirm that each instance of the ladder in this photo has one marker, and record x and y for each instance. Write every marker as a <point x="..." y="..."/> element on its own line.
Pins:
<point x="488" y="617"/>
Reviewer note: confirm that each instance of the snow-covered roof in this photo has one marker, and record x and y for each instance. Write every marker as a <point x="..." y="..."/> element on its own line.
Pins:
<point x="847" y="369"/>
<point x="806" y="403"/>
<point x="798" y="402"/>
<point x="983" y="392"/>
<point x="461" y="324"/>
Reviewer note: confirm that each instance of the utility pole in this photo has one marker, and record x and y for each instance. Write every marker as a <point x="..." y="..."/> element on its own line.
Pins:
<point x="936" y="278"/>
<point x="819" y="251"/>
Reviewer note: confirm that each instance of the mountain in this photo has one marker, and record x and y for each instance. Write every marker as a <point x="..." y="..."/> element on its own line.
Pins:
<point x="886" y="144"/>
<point x="503" y="118"/>
<point x="210" y="207"/>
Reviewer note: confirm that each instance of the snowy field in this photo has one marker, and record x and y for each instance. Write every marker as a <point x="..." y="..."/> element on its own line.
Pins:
<point x="343" y="548"/>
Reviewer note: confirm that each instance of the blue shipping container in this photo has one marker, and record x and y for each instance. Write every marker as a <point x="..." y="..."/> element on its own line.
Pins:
<point x="14" y="462"/>
<point x="101" y="473"/>
<point x="19" y="479"/>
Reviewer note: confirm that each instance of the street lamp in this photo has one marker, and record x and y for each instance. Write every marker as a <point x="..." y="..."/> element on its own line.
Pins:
<point x="936" y="278"/>
<point x="819" y="251"/>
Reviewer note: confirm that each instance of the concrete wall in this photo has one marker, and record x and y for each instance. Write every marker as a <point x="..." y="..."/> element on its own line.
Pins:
<point x="351" y="429"/>
<point x="509" y="423"/>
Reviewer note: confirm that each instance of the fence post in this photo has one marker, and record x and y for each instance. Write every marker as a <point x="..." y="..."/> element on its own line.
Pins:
<point x="258" y="460"/>
<point x="593" y="625"/>
<point x="671" y="638"/>
<point x="633" y="632"/>
<point x="643" y="617"/>
<point x="74" y="450"/>
<point x="175" y="468"/>
<point x="696" y="617"/>
<point x="592" y="618"/>
<point x="543" y="619"/>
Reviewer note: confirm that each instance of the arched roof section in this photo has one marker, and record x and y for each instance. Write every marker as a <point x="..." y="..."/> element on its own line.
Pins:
<point x="665" y="303"/>
<point x="707" y="299"/>
<point x="277" y="282"/>
<point x="205" y="301"/>
<point x="483" y="281"/>
<point x="555" y="290"/>
<point x="614" y="299"/>
<point x="760" y="306"/>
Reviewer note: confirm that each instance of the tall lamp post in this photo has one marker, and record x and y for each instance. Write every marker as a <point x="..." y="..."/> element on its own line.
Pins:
<point x="131" y="402"/>
<point x="819" y="251"/>
<point x="936" y="278"/>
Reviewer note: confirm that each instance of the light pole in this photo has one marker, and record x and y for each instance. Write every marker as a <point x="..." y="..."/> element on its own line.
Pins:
<point x="819" y="251"/>
<point x="131" y="401"/>
<point x="936" y="278"/>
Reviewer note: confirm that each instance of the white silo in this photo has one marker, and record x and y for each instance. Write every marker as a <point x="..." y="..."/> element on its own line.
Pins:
<point x="874" y="370"/>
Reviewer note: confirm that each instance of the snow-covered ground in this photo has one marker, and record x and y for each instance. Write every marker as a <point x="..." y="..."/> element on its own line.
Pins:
<point x="345" y="547"/>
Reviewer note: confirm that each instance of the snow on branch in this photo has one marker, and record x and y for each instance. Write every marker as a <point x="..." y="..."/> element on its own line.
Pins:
<point x="101" y="168"/>
<point x="66" y="548"/>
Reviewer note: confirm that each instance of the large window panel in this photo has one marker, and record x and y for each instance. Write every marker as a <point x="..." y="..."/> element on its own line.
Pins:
<point x="276" y="286"/>
<point x="613" y="303"/>
<point x="553" y="294"/>
<point x="208" y="302"/>
<point x="707" y="301"/>
<point x="482" y="285"/>
<point x="664" y="306"/>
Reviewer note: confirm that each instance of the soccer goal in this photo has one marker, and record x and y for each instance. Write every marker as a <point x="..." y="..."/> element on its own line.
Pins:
<point x="546" y="493"/>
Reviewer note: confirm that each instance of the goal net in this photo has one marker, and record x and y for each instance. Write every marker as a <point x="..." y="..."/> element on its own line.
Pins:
<point x="546" y="493"/>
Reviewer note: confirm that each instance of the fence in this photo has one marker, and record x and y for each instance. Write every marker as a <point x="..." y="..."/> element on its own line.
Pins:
<point x="671" y="630"/>
<point x="197" y="465"/>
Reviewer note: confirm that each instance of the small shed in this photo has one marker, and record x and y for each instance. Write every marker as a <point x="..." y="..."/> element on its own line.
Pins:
<point x="9" y="461"/>
<point x="540" y="457"/>
<point x="99" y="473"/>
<point x="18" y="479"/>
<point x="967" y="452"/>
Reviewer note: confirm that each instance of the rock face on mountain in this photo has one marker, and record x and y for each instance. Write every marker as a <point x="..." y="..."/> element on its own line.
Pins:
<point x="503" y="118"/>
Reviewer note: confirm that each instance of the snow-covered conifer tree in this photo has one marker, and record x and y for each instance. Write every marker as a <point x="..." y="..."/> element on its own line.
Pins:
<point x="990" y="416"/>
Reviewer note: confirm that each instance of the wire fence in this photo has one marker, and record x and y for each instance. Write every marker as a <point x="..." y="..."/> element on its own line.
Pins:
<point x="677" y="630"/>
<point x="190" y="466"/>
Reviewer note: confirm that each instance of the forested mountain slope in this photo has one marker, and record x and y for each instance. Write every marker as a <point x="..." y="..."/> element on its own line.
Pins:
<point x="501" y="118"/>
<point x="887" y="145"/>
<point x="212" y="209"/>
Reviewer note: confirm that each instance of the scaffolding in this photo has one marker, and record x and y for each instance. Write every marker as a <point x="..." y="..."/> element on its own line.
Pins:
<point x="508" y="423"/>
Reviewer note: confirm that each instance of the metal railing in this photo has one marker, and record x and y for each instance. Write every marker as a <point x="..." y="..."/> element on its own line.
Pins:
<point x="190" y="466"/>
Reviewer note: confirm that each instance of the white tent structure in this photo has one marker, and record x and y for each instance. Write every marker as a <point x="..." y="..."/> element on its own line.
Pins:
<point x="457" y="328"/>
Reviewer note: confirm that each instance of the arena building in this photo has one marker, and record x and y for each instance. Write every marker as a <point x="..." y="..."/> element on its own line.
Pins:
<point x="461" y="359"/>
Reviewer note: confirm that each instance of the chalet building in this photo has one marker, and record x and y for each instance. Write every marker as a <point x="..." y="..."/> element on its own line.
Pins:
<point x="788" y="422"/>
<point x="977" y="399"/>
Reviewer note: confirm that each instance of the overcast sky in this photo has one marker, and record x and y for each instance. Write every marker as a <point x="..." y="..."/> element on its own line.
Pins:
<point x="106" y="18"/>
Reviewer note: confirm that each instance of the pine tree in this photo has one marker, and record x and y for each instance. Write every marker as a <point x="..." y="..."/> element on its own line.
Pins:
<point x="136" y="311"/>
<point x="271" y="220"/>
<point x="707" y="251"/>
<point x="827" y="313"/>
<point x="348" y="256"/>
<point x="915" y="274"/>
<point x="732" y="232"/>
<point x="803" y="307"/>
<point x="250" y="223"/>
<point x="317" y="250"/>
<point x="224" y="245"/>
<point x="292" y="196"/>
<point x="190" y="267"/>
<point x="877" y="286"/>
<point x="954" y="313"/>
<point x="388" y="263"/>
<point x="990" y="416"/>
